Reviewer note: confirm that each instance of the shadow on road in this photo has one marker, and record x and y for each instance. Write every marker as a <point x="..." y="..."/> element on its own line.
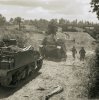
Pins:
<point x="94" y="90"/>
<point x="7" y="91"/>
<point x="55" y="60"/>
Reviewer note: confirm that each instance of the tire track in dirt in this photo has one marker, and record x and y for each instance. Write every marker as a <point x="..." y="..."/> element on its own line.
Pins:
<point x="71" y="75"/>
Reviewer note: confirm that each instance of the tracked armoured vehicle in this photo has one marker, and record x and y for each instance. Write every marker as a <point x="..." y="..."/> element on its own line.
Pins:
<point x="53" y="49"/>
<point x="17" y="63"/>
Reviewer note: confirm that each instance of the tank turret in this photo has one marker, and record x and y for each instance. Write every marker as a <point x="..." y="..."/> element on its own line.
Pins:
<point x="53" y="48"/>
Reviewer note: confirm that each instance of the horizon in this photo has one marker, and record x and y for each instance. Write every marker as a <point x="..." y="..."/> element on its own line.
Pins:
<point x="48" y="9"/>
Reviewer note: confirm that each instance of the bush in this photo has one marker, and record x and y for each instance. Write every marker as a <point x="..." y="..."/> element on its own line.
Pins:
<point x="94" y="75"/>
<point x="18" y="35"/>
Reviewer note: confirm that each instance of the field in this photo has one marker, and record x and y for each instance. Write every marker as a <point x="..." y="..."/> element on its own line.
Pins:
<point x="72" y="75"/>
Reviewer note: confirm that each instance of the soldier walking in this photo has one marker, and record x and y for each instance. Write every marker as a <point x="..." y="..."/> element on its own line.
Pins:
<point x="74" y="52"/>
<point x="82" y="53"/>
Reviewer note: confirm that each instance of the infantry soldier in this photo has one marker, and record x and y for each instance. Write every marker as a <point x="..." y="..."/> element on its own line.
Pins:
<point x="74" y="52"/>
<point x="82" y="53"/>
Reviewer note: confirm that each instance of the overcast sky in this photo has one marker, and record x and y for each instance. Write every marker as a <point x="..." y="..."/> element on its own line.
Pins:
<point x="47" y="9"/>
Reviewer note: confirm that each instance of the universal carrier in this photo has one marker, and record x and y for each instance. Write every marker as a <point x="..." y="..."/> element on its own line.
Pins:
<point x="17" y="63"/>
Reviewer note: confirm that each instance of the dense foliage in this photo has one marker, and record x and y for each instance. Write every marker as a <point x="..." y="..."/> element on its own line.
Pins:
<point x="50" y="26"/>
<point x="2" y="20"/>
<point x="95" y="6"/>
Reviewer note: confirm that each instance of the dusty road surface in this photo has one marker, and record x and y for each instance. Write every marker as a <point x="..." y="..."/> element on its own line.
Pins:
<point x="72" y="75"/>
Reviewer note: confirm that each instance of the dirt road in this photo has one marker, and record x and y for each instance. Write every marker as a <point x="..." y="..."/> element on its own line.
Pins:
<point x="72" y="75"/>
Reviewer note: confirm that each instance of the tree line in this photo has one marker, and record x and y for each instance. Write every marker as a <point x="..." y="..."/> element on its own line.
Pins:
<point x="51" y="26"/>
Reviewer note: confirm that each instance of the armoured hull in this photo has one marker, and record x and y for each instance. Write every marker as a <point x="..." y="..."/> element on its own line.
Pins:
<point x="53" y="52"/>
<point x="17" y="65"/>
<point x="53" y="48"/>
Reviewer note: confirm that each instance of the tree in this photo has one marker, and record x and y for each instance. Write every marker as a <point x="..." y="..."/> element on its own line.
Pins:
<point x="52" y="27"/>
<point x="61" y="22"/>
<point x="2" y="20"/>
<point x="95" y="6"/>
<point x="18" y="20"/>
<point x="11" y="20"/>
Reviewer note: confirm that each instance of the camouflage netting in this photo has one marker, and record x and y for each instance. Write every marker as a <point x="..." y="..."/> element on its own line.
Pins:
<point x="49" y="40"/>
<point x="52" y="40"/>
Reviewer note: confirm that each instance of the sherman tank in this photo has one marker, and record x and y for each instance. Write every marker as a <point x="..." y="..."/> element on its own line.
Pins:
<point x="17" y="63"/>
<point x="53" y="49"/>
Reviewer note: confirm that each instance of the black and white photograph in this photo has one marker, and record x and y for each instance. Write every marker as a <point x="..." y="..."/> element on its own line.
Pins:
<point x="49" y="49"/>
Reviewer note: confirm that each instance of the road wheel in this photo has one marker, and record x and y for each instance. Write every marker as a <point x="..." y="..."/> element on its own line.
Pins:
<point x="6" y="81"/>
<point x="39" y="65"/>
<point x="23" y="75"/>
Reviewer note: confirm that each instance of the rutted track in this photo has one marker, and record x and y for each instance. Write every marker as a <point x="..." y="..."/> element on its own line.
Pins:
<point x="71" y="75"/>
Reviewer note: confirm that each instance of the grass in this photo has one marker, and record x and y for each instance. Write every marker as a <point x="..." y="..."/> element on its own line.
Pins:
<point x="23" y="37"/>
